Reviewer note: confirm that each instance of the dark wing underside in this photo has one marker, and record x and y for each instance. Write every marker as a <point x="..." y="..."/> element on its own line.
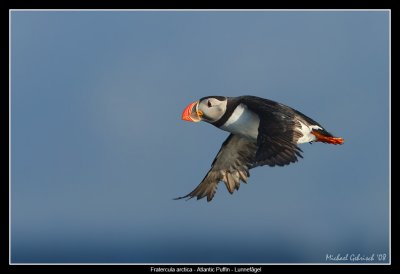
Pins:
<point x="231" y="165"/>
<point x="277" y="137"/>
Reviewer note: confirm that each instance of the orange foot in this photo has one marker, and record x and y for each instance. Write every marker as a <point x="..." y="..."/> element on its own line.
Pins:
<point x="327" y="139"/>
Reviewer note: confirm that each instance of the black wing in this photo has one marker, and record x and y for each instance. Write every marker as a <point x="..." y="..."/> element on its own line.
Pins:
<point x="277" y="137"/>
<point x="231" y="165"/>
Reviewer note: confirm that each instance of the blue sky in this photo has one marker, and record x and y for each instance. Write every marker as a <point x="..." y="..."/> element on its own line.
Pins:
<point x="98" y="149"/>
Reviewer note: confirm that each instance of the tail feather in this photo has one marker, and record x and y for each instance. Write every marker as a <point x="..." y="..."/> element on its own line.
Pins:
<point x="326" y="137"/>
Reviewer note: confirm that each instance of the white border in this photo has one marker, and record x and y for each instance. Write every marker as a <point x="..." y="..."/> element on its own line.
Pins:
<point x="9" y="136"/>
<point x="218" y="10"/>
<point x="390" y="135"/>
<point x="201" y="10"/>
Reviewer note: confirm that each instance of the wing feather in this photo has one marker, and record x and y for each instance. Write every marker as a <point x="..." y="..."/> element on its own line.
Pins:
<point x="231" y="166"/>
<point x="277" y="137"/>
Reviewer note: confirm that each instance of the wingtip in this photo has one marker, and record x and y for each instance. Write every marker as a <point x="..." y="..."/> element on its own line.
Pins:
<point x="183" y="197"/>
<point x="188" y="197"/>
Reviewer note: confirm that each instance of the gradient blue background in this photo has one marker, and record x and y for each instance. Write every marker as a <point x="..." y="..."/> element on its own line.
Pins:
<point x="98" y="149"/>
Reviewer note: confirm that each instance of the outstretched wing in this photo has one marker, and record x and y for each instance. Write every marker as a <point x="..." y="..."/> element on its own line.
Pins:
<point x="277" y="137"/>
<point x="231" y="165"/>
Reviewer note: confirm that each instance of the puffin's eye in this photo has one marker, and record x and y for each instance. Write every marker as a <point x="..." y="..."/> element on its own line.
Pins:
<point x="209" y="104"/>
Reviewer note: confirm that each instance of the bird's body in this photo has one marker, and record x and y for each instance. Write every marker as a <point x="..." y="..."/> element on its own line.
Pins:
<point x="242" y="122"/>
<point x="263" y="132"/>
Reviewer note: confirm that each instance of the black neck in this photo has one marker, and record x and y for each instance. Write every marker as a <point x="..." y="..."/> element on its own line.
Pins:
<point x="231" y="105"/>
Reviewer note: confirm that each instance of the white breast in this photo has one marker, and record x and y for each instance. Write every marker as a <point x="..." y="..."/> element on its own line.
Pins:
<point x="243" y="122"/>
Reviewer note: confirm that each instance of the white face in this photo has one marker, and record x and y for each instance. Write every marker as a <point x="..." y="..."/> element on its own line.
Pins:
<point x="212" y="109"/>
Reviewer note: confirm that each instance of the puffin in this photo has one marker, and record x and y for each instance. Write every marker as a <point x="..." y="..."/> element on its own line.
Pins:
<point x="262" y="132"/>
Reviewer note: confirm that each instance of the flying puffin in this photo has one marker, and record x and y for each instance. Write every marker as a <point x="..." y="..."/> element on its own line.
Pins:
<point x="263" y="132"/>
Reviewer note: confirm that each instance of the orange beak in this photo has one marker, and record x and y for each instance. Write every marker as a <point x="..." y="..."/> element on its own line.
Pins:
<point x="191" y="113"/>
